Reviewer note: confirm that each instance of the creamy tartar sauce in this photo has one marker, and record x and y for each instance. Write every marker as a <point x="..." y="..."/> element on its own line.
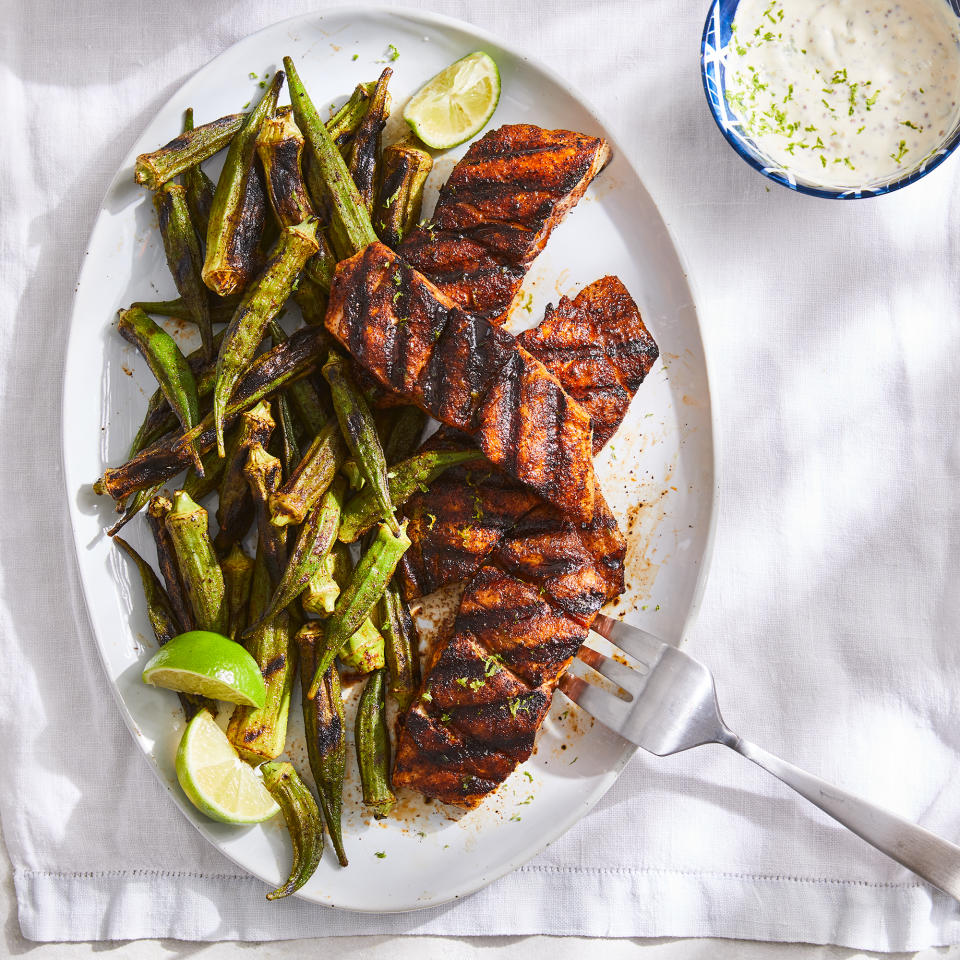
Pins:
<point x="845" y="93"/>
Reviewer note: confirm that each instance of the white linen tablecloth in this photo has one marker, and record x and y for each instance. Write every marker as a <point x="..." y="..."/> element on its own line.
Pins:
<point x="830" y="617"/>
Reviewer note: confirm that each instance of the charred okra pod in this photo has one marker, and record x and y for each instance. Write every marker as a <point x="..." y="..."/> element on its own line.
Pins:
<point x="225" y="266"/>
<point x="349" y="218"/>
<point x="303" y="824"/>
<point x="167" y="364"/>
<point x="373" y="747"/>
<point x="404" y="479"/>
<point x="197" y="563"/>
<point x="404" y="168"/>
<point x="310" y="480"/>
<point x="237" y="575"/>
<point x="360" y="432"/>
<point x="260" y="305"/>
<point x="137" y="502"/>
<point x="184" y="257"/>
<point x="235" y="506"/>
<point x="405" y="435"/>
<point x="199" y="188"/>
<point x="221" y="310"/>
<point x="310" y="408"/>
<point x="190" y="148"/>
<point x="157" y="513"/>
<point x="166" y="457"/>
<point x="317" y="535"/>
<point x="367" y="583"/>
<point x="402" y="646"/>
<point x="365" y="150"/>
<point x="259" y="733"/>
<point x="162" y="619"/>
<point x="323" y="726"/>
<point x="263" y="474"/>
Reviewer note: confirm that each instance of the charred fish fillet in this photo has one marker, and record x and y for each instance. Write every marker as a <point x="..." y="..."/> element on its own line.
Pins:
<point x="599" y="349"/>
<point x="465" y="372"/>
<point x="497" y="210"/>
<point x="521" y="620"/>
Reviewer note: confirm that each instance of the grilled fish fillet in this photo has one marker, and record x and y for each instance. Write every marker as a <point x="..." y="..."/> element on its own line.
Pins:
<point x="599" y="349"/>
<point x="497" y="210"/>
<point x="521" y="620"/>
<point x="465" y="372"/>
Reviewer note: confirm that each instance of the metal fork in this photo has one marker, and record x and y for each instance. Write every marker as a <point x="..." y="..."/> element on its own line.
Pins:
<point x="673" y="706"/>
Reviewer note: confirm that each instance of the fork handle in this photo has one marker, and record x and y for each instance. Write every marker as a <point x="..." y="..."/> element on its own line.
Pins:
<point x="929" y="856"/>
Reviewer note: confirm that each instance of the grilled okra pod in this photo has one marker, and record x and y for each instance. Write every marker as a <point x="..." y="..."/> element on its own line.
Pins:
<point x="367" y="583"/>
<point x="404" y="168"/>
<point x="404" y="479"/>
<point x="157" y="512"/>
<point x="237" y="570"/>
<point x="235" y="506"/>
<point x="310" y="408"/>
<point x="323" y="725"/>
<point x="404" y="435"/>
<point x="222" y="309"/>
<point x="310" y="480"/>
<point x="225" y="266"/>
<point x="349" y="218"/>
<point x="402" y="646"/>
<point x="163" y="620"/>
<point x="303" y="824"/>
<point x="199" y="187"/>
<point x="197" y="563"/>
<point x="190" y="148"/>
<point x="373" y="747"/>
<point x="365" y="149"/>
<point x="259" y="733"/>
<point x="317" y="535"/>
<point x="263" y="474"/>
<point x="184" y="257"/>
<point x="165" y="458"/>
<point x="167" y="364"/>
<point x="360" y="432"/>
<point x="260" y="305"/>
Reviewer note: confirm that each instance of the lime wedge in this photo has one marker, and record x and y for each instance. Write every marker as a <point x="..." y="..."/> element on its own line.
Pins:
<point x="207" y="664"/>
<point x="218" y="783"/>
<point x="457" y="103"/>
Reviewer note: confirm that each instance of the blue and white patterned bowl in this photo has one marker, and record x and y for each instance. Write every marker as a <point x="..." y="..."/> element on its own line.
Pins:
<point x="713" y="61"/>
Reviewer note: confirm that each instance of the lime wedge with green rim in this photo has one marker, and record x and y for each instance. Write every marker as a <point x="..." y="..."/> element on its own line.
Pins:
<point x="218" y="783"/>
<point x="207" y="664"/>
<point x="457" y="103"/>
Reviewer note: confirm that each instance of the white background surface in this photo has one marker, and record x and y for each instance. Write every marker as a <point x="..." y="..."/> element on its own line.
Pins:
<point x="830" y="619"/>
